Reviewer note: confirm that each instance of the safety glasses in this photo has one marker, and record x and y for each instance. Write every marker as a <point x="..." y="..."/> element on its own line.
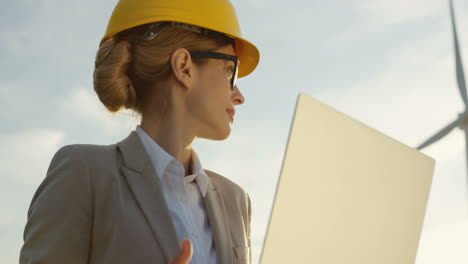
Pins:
<point x="232" y="76"/>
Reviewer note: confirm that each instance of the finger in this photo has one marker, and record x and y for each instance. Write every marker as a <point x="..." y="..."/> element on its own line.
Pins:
<point x="185" y="254"/>
<point x="187" y="249"/>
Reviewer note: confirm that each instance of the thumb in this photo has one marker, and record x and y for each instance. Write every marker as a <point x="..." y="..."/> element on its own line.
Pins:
<point x="185" y="254"/>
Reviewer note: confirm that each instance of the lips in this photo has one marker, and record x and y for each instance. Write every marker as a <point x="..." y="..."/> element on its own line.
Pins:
<point x="232" y="113"/>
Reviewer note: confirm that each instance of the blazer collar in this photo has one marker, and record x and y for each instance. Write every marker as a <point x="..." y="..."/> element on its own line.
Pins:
<point x="216" y="211"/>
<point x="147" y="190"/>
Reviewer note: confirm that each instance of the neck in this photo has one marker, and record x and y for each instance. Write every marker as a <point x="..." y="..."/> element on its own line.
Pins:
<point x="173" y="135"/>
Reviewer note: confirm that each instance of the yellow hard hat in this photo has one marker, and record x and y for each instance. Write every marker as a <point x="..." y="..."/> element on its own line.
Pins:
<point x="217" y="15"/>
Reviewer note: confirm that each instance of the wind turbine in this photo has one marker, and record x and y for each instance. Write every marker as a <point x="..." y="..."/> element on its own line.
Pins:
<point x="462" y="120"/>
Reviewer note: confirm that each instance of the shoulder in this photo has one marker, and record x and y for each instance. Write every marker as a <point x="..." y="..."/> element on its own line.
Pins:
<point x="73" y="163"/>
<point x="89" y="150"/>
<point x="76" y="169"/>
<point x="86" y="154"/>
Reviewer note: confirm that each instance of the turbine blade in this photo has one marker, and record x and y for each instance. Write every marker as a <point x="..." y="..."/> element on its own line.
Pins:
<point x="466" y="143"/>
<point x="458" y="62"/>
<point x="443" y="132"/>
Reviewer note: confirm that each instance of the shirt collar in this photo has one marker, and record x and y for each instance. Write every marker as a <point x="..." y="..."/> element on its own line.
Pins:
<point x="197" y="169"/>
<point x="159" y="157"/>
<point x="161" y="160"/>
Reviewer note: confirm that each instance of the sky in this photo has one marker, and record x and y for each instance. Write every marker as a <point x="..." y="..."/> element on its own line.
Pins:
<point x="389" y="64"/>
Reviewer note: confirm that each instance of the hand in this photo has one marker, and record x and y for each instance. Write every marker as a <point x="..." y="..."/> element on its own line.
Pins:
<point x="185" y="254"/>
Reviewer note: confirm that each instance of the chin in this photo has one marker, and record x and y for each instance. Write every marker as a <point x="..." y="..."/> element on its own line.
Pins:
<point x="222" y="135"/>
<point x="219" y="133"/>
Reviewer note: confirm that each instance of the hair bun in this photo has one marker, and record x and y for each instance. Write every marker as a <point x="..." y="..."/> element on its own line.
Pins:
<point x="111" y="82"/>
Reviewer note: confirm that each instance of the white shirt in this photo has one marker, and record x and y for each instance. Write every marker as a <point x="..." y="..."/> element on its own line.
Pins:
<point x="184" y="197"/>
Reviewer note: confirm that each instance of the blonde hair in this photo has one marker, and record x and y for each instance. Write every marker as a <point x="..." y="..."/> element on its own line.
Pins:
<point x="128" y="69"/>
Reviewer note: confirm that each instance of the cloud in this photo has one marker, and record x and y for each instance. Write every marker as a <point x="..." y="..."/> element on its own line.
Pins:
<point x="401" y="11"/>
<point x="24" y="155"/>
<point x="83" y="108"/>
<point x="412" y="96"/>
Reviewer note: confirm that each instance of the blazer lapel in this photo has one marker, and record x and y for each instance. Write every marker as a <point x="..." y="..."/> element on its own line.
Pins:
<point x="146" y="187"/>
<point x="214" y="205"/>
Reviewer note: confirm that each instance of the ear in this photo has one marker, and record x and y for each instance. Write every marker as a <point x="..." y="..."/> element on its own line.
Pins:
<point x="182" y="67"/>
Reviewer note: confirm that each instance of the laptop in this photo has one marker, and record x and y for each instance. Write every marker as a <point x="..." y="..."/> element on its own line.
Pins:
<point x="347" y="194"/>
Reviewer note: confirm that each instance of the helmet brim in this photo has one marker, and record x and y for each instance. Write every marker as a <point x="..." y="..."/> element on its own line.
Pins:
<point x="249" y="56"/>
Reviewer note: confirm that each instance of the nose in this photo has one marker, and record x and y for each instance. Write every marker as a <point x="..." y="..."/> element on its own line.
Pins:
<point x="237" y="96"/>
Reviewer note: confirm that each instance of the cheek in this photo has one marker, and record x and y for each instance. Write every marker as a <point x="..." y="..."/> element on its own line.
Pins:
<point x="217" y="76"/>
<point x="209" y="101"/>
<point x="208" y="105"/>
<point x="215" y="86"/>
<point x="205" y="97"/>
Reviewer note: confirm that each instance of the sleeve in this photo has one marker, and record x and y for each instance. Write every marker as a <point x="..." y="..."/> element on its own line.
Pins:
<point x="59" y="224"/>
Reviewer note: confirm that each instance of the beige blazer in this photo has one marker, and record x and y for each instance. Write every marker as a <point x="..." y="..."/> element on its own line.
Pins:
<point x="103" y="204"/>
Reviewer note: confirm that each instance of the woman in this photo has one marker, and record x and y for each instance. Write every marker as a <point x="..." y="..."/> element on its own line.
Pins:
<point x="147" y="199"/>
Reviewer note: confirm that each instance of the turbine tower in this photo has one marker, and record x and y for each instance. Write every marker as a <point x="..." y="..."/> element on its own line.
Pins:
<point x="462" y="120"/>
